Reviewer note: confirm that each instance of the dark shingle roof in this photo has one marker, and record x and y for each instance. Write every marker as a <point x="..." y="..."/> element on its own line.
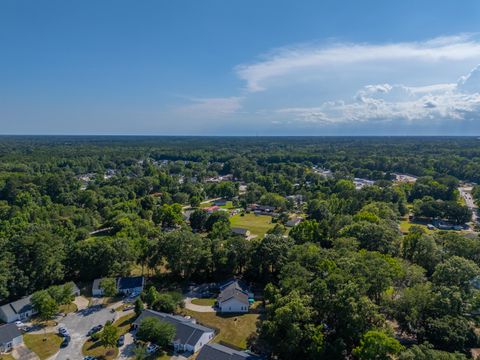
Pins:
<point x="220" y="352"/>
<point x="8" y="332"/>
<point x="130" y="282"/>
<point x="186" y="332"/>
<point x="239" y="231"/>
<point x="233" y="290"/>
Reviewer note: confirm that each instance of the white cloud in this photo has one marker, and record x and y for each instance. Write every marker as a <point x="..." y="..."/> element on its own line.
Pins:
<point x="287" y="61"/>
<point x="387" y="103"/>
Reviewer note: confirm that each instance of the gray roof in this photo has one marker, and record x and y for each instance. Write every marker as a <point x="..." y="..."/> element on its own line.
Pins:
<point x="186" y="332"/>
<point x="239" y="231"/>
<point x="8" y="332"/>
<point x="234" y="290"/>
<point x="17" y="307"/>
<point x="220" y="352"/>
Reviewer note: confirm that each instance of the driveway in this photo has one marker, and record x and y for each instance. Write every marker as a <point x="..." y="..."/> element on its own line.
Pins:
<point x="21" y="352"/>
<point x="127" y="351"/>
<point x="78" y="324"/>
<point x="198" y="308"/>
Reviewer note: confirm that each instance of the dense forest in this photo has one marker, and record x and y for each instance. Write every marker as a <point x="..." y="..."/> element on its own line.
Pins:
<point x="346" y="282"/>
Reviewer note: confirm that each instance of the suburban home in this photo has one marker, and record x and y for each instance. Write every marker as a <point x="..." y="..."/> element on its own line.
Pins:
<point x="293" y="222"/>
<point x="125" y="285"/>
<point x="129" y="285"/>
<point x="211" y="209"/>
<point x="241" y="231"/>
<point x="189" y="336"/>
<point x="221" y="352"/>
<point x="234" y="298"/>
<point x="96" y="289"/>
<point x="10" y="336"/>
<point x="18" y="310"/>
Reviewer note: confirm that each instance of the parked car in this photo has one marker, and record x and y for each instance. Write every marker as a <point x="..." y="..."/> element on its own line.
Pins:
<point x="63" y="331"/>
<point x="65" y="342"/>
<point x="121" y="340"/>
<point x="19" y="324"/>
<point x="89" y="358"/>
<point x="152" y="348"/>
<point x="94" y="330"/>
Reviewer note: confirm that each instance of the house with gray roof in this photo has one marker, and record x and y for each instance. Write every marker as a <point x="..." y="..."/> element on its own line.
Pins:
<point x="125" y="285"/>
<point x="234" y="298"/>
<point x="10" y="337"/>
<point x="189" y="336"/>
<point x="18" y="310"/>
<point x="221" y="352"/>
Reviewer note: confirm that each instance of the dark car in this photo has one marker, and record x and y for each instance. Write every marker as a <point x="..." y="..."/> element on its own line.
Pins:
<point x="65" y="342"/>
<point x="94" y="330"/>
<point x="121" y="340"/>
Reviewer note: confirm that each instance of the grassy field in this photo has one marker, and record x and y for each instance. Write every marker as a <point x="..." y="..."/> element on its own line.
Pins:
<point x="6" y="357"/>
<point x="258" y="225"/>
<point x="95" y="348"/>
<point x="405" y="226"/>
<point x="44" y="345"/>
<point x="234" y="329"/>
<point x="204" y="302"/>
<point x="69" y="308"/>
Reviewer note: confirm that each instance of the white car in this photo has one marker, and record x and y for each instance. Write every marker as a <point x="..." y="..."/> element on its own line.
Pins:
<point x="19" y="324"/>
<point x="152" y="348"/>
<point x="63" y="331"/>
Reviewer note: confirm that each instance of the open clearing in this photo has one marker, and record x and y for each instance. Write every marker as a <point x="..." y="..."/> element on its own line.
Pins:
<point x="44" y="345"/>
<point x="233" y="328"/>
<point x="257" y="224"/>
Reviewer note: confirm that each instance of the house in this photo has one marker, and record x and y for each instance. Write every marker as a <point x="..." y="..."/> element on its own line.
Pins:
<point x="130" y="285"/>
<point x="96" y="289"/>
<point x="361" y="183"/>
<point x="18" y="310"/>
<point x="211" y="209"/>
<point x="241" y="231"/>
<point x="125" y="285"/>
<point x="293" y="222"/>
<point x="221" y="352"/>
<point x="75" y="288"/>
<point x="234" y="297"/>
<point x="189" y="336"/>
<point x="10" y="337"/>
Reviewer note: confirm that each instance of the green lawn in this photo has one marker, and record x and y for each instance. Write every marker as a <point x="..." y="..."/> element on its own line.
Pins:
<point x="234" y="329"/>
<point x="44" y="345"/>
<point x="228" y="205"/>
<point x="405" y="226"/>
<point x="204" y="302"/>
<point x="6" y="357"/>
<point x="95" y="348"/>
<point x="69" y="308"/>
<point x="258" y="225"/>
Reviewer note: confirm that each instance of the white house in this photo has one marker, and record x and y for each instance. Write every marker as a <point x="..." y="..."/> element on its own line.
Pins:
<point x="125" y="285"/>
<point x="130" y="285"/>
<point x="10" y="337"/>
<point x="18" y="310"/>
<point x="189" y="336"/>
<point x="233" y="298"/>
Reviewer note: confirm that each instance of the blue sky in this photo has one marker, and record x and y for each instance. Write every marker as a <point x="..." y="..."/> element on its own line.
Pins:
<point x="240" y="67"/>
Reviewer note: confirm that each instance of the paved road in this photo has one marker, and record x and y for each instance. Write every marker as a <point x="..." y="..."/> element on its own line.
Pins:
<point x="466" y="194"/>
<point x="78" y="325"/>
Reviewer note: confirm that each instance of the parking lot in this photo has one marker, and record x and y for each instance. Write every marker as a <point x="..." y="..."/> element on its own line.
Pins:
<point x="78" y="324"/>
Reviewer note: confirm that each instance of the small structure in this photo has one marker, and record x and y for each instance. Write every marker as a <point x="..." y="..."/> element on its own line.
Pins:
<point x="211" y="209"/>
<point x="241" y="231"/>
<point x="361" y="183"/>
<point x="96" y="289"/>
<point x="17" y="311"/>
<point x="189" y="336"/>
<point x="293" y="221"/>
<point x="234" y="297"/>
<point x="125" y="285"/>
<point x="220" y="202"/>
<point x="10" y="337"/>
<point x="221" y="352"/>
<point x="130" y="285"/>
<point x="405" y="178"/>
